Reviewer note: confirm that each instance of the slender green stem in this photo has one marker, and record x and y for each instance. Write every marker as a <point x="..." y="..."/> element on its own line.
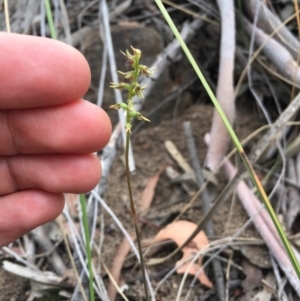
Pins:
<point x="133" y="212"/>
<point x="87" y="245"/>
<point x="236" y="141"/>
<point x="50" y="19"/>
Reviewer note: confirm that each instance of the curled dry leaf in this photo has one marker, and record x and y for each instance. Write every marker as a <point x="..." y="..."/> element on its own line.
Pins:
<point x="179" y="231"/>
<point x="116" y="267"/>
<point x="148" y="192"/>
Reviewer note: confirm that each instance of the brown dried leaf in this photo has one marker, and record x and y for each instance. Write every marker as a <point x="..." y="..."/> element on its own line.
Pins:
<point x="179" y="231"/>
<point x="116" y="267"/>
<point x="252" y="280"/>
<point x="148" y="193"/>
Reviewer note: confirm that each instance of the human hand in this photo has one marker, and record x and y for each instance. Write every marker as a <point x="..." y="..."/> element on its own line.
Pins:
<point x="47" y="133"/>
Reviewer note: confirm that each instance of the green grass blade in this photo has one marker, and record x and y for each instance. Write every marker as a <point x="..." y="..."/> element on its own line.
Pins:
<point x="50" y="20"/>
<point x="87" y="245"/>
<point x="235" y="140"/>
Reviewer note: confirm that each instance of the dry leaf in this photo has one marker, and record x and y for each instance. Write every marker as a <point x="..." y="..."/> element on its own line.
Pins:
<point x="148" y="193"/>
<point x="116" y="267"/>
<point x="252" y="280"/>
<point x="179" y="231"/>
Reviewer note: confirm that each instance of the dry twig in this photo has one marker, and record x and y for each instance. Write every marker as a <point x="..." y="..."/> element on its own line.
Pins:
<point x="206" y="203"/>
<point x="225" y="91"/>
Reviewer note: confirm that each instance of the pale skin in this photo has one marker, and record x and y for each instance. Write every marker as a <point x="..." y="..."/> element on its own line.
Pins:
<point x="47" y="132"/>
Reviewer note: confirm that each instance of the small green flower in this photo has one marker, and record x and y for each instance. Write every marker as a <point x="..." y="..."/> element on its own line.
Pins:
<point x="139" y="116"/>
<point x="137" y="53"/>
<point x="132" y="59"/>
<point x="127" y="75"/>
<point x="145" y="70"/>
<point x="119" y="86"/>
<point x="137" y="90"/>
<point x="117" y="106"/>
<point x="129" y="56"/>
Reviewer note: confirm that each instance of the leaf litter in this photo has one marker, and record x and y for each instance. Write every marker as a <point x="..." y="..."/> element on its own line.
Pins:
<point x="179" y="231"/>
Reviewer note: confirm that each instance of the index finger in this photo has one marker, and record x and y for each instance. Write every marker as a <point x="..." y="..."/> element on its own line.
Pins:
<point x="38" y="72"/>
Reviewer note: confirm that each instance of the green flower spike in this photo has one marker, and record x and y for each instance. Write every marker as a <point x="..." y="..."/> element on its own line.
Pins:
<point x="133" y="88"/>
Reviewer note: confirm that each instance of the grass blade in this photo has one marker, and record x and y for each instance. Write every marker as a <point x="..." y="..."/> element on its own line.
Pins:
<point x="87" y="245"/>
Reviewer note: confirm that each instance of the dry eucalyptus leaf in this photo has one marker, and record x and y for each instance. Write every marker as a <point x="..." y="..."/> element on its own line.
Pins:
<point x="148" y="192"/>
<point x="116" y="267"/>
<point x="179" y="231"/>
